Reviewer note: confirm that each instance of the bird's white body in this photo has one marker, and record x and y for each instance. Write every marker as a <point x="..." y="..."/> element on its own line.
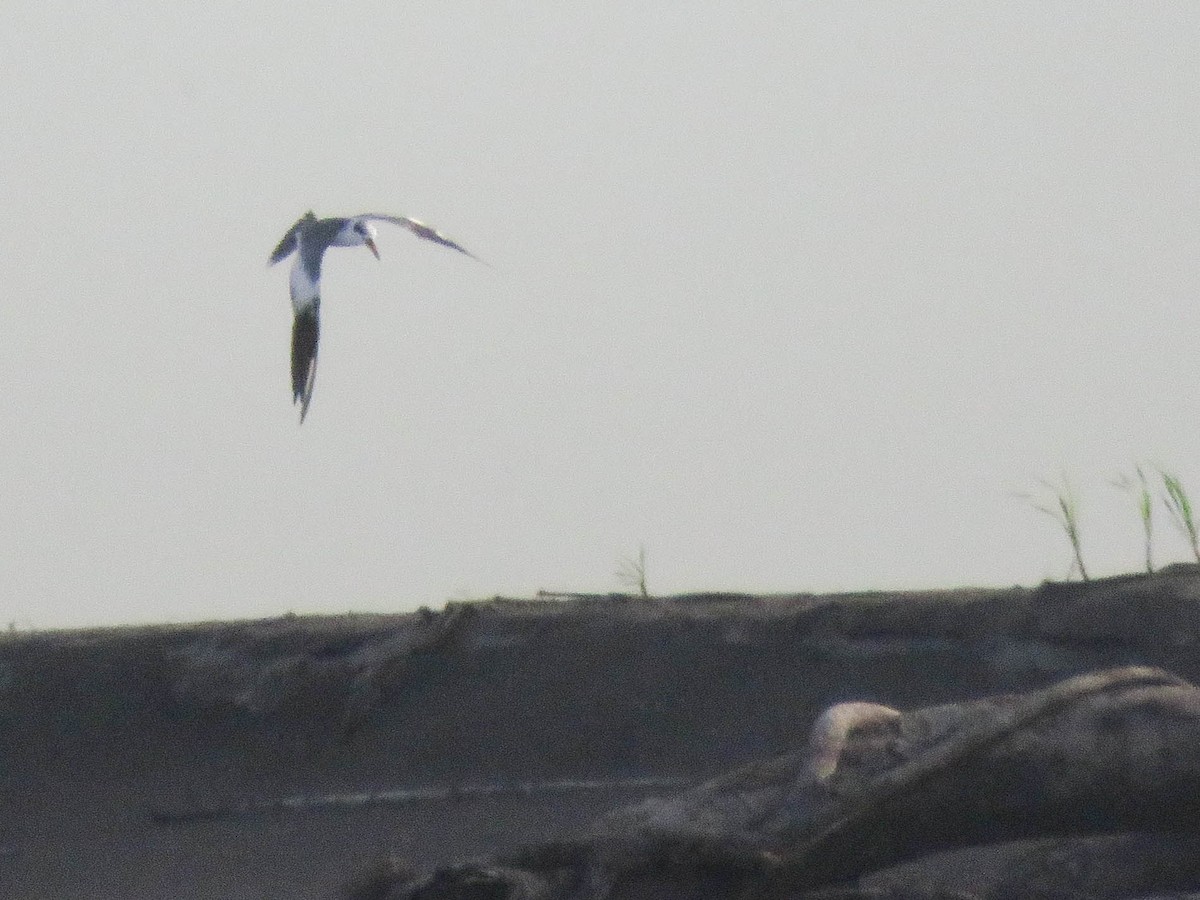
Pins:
<point x="305" y="291"/>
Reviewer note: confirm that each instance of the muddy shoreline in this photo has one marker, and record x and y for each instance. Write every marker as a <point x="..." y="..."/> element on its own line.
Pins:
<point x="277" y="758"/>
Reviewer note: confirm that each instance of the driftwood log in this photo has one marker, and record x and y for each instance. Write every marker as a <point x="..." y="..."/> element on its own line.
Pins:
<point x="1089" y="788"/>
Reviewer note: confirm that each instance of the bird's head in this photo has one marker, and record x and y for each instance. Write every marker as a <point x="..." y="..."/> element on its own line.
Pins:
<point x="365" y="232"/>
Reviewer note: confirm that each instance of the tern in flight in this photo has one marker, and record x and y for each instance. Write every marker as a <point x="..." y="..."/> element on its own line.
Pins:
<point x="308" y="239"/>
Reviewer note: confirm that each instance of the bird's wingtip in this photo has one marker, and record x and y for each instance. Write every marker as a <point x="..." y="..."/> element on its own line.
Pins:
<point x="303" y="400"/>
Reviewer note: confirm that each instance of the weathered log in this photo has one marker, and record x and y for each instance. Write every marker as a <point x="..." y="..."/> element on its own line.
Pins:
<point x="1102" y="752"/>
<point x="1108" y="753"/>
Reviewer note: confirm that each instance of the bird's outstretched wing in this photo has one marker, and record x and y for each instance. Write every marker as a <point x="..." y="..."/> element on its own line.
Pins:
<point x="306" y="331"/>
<point x="421" y="230"/>
<point x="287" y="245"/>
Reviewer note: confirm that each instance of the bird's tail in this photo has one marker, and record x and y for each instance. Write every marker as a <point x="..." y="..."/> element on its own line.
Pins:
<point x="305" y="332"/>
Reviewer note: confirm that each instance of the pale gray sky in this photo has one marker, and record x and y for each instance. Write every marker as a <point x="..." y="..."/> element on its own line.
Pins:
<point x="795" y="294"/>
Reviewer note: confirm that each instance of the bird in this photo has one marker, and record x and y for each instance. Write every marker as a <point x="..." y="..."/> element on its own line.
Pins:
<point x="309" y="238"/>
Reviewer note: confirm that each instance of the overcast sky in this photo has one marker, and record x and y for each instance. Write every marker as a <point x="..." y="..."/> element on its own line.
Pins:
<point x="795" y="295"/>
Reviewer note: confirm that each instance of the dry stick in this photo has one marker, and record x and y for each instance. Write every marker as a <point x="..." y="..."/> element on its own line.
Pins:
<point x="410" y="796"/>
<point x="791" y="870"/>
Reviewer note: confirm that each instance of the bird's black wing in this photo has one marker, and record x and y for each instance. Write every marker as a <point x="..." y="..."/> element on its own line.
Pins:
<point x="306" y="331"/>
<point x="287" y="245"/>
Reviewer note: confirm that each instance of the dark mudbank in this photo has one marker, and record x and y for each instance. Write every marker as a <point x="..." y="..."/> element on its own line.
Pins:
<point x="279" y="758"/>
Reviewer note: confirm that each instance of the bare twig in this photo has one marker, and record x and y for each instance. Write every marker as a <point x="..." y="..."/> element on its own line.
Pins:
<point x="633" y="571"/>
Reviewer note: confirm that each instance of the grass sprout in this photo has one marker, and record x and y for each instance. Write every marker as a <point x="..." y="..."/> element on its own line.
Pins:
<point x="1063" y="508"/>
<point x="1139" y="487"/>
<point x="1176" y="500"/>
